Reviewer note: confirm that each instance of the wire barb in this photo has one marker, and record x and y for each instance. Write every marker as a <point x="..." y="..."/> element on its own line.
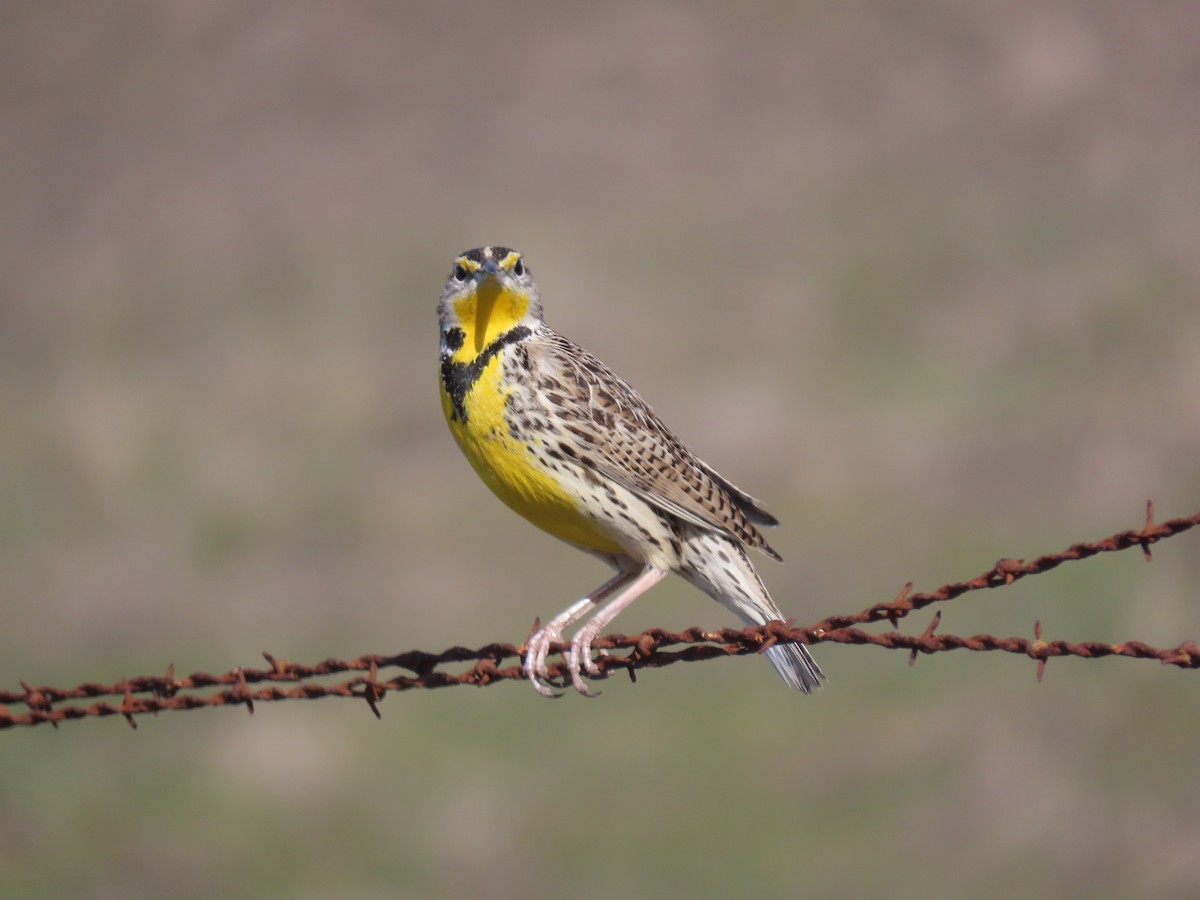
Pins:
<point x="928" y="633"/>
<point x="654" y="648"/>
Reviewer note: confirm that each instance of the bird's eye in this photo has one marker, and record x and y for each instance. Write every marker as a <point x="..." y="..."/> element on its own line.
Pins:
<point x="518" y="268"/>
<point x="460" y="273"/>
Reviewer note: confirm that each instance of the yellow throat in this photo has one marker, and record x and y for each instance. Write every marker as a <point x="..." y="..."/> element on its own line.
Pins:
<point x="474" y="399"/>
<point x="486" y="313"/>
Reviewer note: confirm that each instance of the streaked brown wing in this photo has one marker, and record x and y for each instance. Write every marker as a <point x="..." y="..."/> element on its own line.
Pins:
<point x="614" y="432"/>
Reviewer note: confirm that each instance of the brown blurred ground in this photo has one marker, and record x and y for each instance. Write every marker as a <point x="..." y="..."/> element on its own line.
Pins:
<point x="923" y="276"/>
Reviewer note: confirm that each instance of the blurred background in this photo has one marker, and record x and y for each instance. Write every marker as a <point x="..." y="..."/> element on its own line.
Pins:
<point x="923" y="276"/>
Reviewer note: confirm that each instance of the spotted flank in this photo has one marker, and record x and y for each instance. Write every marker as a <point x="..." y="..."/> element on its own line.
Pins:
<point x="567" y="443"/>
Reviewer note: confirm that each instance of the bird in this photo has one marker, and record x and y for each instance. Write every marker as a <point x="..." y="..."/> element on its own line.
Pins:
<point x="569" y="445"/>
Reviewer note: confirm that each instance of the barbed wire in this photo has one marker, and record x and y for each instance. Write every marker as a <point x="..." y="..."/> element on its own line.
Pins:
<point x="654" y="648"/>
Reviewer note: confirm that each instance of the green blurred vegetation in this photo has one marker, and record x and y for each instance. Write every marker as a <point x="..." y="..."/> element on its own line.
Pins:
<point x="923" y="277"/>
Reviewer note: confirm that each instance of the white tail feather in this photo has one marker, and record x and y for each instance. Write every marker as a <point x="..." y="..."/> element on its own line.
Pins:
<point x="720" y="568"/>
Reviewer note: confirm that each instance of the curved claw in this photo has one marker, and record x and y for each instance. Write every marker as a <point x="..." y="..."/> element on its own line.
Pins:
<point x="583" y="641"/>
<point x="582" y="688"/>
<point x="541" y="684"/>
<point x="544" y="689"/>
<point x="589" y="663"/>
<point x="573" y="668"/>
<point x="534" y="665"/>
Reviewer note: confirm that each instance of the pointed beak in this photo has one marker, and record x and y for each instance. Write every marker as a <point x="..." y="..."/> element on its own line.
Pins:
<point x="487" y="290"/>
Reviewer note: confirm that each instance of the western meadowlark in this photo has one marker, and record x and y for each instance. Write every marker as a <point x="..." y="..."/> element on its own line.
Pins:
<point x="568" y="444"/>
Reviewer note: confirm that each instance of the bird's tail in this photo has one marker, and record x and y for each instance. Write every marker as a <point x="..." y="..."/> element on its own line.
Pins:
<point x="720" y="568"/>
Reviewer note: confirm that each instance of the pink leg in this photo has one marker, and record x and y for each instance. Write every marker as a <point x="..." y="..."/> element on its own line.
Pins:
<point x="538" y="647"/>
<point x="581" y="644"/>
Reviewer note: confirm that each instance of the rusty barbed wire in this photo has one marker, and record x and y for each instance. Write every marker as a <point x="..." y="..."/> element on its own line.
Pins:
<point x="654" y="648"/>
<point x="1006" y="571"/>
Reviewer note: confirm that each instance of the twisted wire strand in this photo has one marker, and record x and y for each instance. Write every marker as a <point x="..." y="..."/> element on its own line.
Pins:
<point x="654" y="648"/>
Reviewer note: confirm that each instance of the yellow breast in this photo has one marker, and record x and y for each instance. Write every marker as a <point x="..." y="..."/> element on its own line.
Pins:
<point x="510" y="465"/>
